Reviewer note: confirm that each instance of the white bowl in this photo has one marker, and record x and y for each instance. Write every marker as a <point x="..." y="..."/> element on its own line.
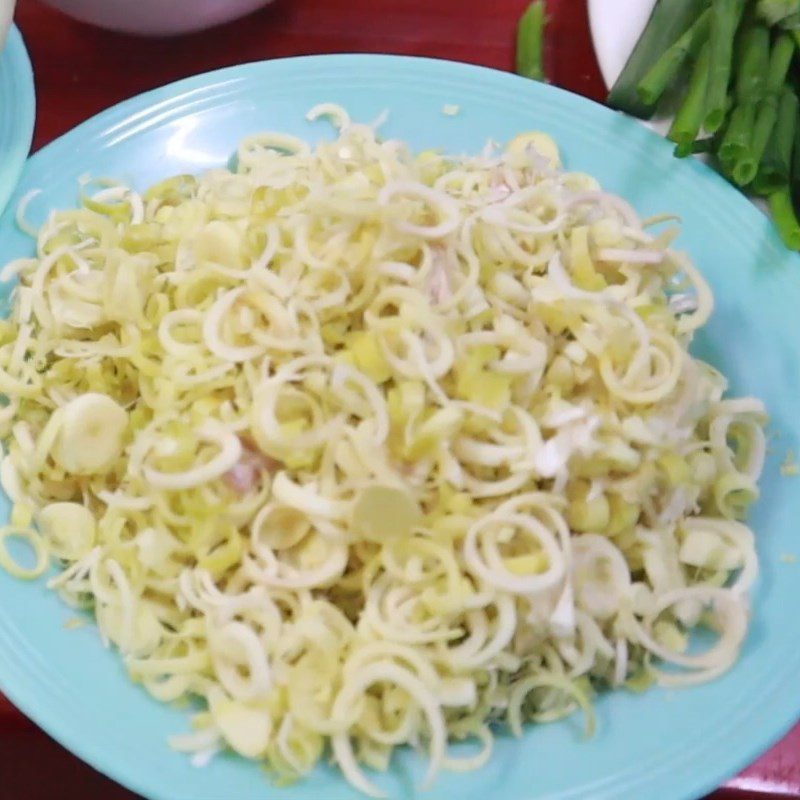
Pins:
<point x="156" y="17"/>
<point x="6" y="15"/>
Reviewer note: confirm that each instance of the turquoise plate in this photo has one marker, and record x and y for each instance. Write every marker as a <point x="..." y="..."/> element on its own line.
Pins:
<point x="17" y="112"/>
<point x="659" y="746"/>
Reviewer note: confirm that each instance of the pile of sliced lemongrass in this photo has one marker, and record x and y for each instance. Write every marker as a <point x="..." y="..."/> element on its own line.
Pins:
<point x="367" y="448"/>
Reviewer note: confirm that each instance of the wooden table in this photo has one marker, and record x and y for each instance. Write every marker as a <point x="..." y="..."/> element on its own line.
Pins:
<point x="80" y="71"/>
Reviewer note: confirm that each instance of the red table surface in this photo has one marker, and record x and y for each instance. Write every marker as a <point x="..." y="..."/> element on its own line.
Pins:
<point x="81" y="70"/>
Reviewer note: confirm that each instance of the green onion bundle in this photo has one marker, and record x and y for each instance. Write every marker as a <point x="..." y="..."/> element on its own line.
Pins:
<point x="730" y="64"/>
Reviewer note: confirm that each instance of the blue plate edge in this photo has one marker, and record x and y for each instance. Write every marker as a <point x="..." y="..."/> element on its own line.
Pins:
<point x="16" y="53"/>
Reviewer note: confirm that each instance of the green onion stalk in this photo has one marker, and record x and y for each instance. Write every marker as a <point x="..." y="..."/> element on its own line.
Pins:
<point x="669" y="20"/>
<point x="530" y="41"/>
<point x="725" y="16"/>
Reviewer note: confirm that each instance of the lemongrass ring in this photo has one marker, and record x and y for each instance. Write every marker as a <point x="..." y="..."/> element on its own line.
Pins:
<point x="588" y="551"/>
<point x="181" y="316"/>
<point x="280" y="575"/>
<point x="504" y="629"/>
<point x="445" y="206"/>
<point x="280" y="534"/>
<point x="668" y="353"/>
<point x="544" y="681"/>
<point x="484" y="735"/>
<point x="474" y="543"/>
<point x="285" y="745"/>
<point x="230" y="450"/>
<point x="37" y="545"/>
<point x="22" y="222"/>
<point x="338" y="116"/>
<point x="125" y="636"/>
<point x="233" y="646"/>
<point x="251" y="147"/>
<point x="466" y="651"/>
<point x="307" y="499"/>
<point x="408" y="656"/>
<point x="212" y="336"/>
<point x="739" y="536"/>
<point x="705" y="300"/>
<point x="380" y="414"/>
<point x="389" y="672"/>
<point x="724" y="651"/>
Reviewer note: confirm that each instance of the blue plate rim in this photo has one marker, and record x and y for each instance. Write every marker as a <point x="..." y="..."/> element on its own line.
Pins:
<point x="15" y="58"/>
